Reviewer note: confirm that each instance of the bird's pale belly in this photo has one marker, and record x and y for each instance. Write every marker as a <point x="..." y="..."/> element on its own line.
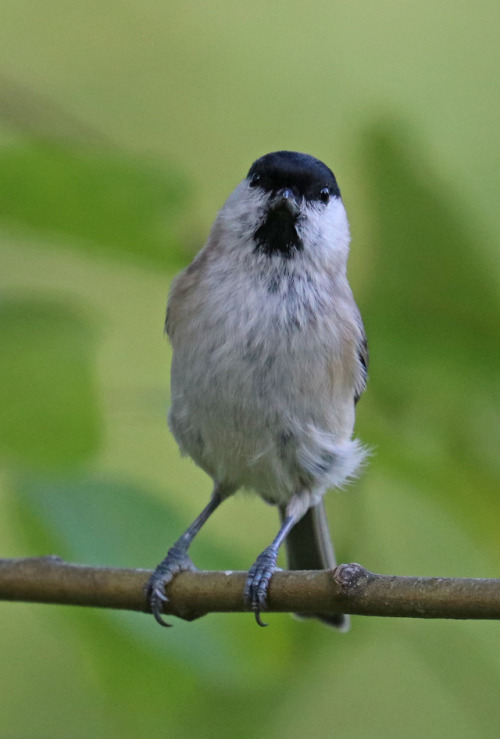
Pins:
<point x="265" y="430"/>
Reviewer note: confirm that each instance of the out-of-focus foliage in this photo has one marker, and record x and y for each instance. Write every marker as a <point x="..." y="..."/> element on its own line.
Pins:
<point x="97" y="199"/>
<point x="432" y="308"/>
<point x="111" y="118"/>
<point x="49" y="415"/>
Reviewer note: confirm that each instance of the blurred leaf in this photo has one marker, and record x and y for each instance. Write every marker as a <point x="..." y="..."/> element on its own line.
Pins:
<point x="99" y="521"/>
<point x="49" y="417"/>
<point x="430" y="292"/>
<point x="104" y="522"/>
<point x="95" y="199"/>
<point x="432" y="312"/>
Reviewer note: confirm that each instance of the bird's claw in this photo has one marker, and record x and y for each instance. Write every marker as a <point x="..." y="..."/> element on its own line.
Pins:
<point x="258" y="580"/>
<point x="177" y="560"/>
<point x="156" y="598"/>
<point x="259" y="619"/>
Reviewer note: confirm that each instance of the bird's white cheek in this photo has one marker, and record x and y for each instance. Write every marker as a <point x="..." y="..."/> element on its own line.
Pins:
<point x="325" y="231"/>
<point x="241" y="215"/>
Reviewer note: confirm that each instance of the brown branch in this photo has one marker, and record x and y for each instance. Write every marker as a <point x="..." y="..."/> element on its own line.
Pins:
<point x="347" y="589"/>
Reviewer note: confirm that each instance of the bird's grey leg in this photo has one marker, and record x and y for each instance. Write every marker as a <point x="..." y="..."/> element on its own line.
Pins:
<point x="177" y="560"/>
<point x="263" y="568"/>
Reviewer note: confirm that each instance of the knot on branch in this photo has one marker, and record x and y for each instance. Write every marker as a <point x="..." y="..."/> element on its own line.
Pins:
<point x="351" y="577"/>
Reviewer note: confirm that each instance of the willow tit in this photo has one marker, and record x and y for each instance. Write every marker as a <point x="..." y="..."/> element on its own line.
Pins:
<point x="269" y="360"/>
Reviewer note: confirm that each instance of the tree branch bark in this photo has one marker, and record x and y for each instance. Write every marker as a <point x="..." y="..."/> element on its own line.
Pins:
<point x="347" y="589"/>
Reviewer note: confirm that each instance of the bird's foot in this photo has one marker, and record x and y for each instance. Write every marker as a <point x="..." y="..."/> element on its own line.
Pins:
<point x="258" y="580"/>
<point x="177" y="560"/>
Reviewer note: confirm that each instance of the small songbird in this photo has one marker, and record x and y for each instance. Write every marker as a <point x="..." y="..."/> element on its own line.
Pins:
<point x="269" y="360"/>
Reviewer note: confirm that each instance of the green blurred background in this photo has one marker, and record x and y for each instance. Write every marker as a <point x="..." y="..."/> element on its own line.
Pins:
<point x="123" y="128"/>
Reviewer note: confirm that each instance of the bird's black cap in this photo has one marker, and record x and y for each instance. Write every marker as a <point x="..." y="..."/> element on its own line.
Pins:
<point x="290" y="169"/>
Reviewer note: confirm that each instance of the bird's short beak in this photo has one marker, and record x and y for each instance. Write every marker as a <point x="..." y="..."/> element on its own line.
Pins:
<point x="285" y="201"/>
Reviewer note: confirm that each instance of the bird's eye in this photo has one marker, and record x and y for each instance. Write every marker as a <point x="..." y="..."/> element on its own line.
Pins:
<point x="324" y="195"/>
<point x="254" y="180"/>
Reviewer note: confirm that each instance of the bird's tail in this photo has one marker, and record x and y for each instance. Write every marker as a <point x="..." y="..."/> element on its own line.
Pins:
<point x="309" y="547"/>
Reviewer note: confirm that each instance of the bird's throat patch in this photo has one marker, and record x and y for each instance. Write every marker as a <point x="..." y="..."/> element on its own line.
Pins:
<point x="278" y="235"/>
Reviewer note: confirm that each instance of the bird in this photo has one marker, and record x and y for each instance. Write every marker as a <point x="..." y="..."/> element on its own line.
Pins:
<point x="269" y="358"/>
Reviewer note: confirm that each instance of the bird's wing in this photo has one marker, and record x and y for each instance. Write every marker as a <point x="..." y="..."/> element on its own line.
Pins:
<point x="363" y="357"/>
